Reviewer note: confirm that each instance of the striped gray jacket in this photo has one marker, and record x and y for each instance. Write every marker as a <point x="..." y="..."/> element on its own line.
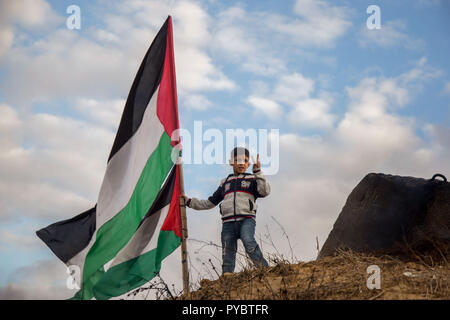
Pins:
<point x="237" y="196"/>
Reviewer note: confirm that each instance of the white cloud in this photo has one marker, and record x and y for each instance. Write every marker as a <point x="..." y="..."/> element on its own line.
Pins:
<point x="104" y="36"/>
<point x="420" y="74"/>
<point x="392" y="33"/>
<point x="193" y="24"/>
<point x="43" y="280"/>
<point x="297" y="92"/>
<point x="20" y="241"/>
<point x="370" y="125"/>
<point x="322" y="23"/>
<point x="438" y="137"/>
<point x="319" y="23"/>
<point x="235" y="38"/>
<point x="446" y="89"/>
<point x="197" y="102"/>
<point x="6" y="39"/>
<point x="268" y="107"/>
<point x="231" y="33"/>
<point x="98" y="66"/>
<point x="262" y="48"/>
<point x="312" y="113"/>
<point x="72" y="66"/>
<point x="293" y="87"/>
<point x="195" y="71"/>
<point x="50" y="166"/>
<point x="104" y="112"/>
<point x="29" y="14"/>
<point x="9" y="126"/>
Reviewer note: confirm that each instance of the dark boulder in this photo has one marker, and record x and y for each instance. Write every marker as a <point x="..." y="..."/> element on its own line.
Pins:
<point x="384" y="211"/>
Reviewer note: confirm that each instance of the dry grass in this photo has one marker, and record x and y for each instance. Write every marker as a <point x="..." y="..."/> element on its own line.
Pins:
<point x="416" y="270"/>
<point x="405" y="274"/>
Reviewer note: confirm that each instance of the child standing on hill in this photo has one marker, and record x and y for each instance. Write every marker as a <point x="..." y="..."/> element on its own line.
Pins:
<point x="237" y="196"/>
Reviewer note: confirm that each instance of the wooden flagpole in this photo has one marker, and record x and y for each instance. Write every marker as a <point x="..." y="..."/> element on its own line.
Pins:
<point x="184" y="235"/>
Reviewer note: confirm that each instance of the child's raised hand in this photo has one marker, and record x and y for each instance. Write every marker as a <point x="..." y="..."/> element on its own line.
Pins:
<point x="256" y="164"/>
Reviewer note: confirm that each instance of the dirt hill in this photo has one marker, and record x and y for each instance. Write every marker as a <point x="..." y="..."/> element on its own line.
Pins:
<point x="397" y="226"/>
<point x="392" y="226"/>
<point x="404" y="275"/>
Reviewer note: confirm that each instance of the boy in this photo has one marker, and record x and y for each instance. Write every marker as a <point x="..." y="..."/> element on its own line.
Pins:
<point x="237" y="194"/>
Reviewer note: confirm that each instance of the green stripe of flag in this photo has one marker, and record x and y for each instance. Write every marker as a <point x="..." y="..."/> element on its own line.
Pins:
<point x="115" y="233"/>
<point x="133" y="273"/>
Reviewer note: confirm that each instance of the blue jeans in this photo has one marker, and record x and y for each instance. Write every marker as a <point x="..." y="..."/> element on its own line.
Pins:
<point x="244" y="230"/>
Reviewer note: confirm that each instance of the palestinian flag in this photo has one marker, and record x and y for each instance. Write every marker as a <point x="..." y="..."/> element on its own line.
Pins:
<point x="120" y="243"/>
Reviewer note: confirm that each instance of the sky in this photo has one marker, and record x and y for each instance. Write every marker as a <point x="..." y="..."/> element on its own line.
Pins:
<point x="346" y="99"/>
